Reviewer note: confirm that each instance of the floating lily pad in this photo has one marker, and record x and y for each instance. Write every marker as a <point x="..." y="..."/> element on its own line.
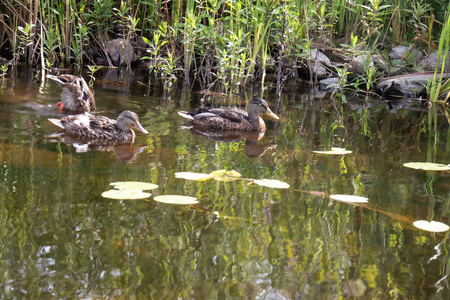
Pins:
<point x="427" y="166"/>
<point x="272" y="183"/>
<point x="134" y="185"/>
<point x="221" y="173"/>
<point x="349" y="198"/>
<point x="127" y="194"/>
<point x="334" y="151"/>
<point x="176" y="199"/>
<point x="224" y="175"/>
<point x="432" y="226"/>
<point x="193" y="176"/>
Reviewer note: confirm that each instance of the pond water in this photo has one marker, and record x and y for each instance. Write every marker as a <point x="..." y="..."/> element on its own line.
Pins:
<point x="60" y="239"/>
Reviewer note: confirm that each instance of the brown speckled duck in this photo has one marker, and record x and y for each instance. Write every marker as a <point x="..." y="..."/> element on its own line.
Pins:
<point x="232" y="119"/>
<point x="76" y="96"/>
<point x="101" y="128"/>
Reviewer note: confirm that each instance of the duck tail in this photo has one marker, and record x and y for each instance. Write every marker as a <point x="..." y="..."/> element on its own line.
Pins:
<point x="186" y="115"/>
<point x="57" y="122"/>
<point x="54" y="78"/>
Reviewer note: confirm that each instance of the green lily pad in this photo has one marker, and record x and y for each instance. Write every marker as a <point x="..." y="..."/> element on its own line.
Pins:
<point x="432" y="226"/>
<point x="334" y="151"/>
<point x="193" y="176"/>
<point x="176" y="199"/>
<point x="134" y="185"/>
<point x="224" y="175"/>
<point x="349" y="198"/>
<point x="128" y="194"/>
<point x="427" y="166"/>
<point x="272" y="183"/>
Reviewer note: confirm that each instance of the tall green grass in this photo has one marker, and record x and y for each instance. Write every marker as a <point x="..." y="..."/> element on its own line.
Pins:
<point x="231" y="43"/>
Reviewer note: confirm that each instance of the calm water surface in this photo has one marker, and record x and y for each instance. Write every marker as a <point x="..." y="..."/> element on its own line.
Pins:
<point x="60" y="239"/>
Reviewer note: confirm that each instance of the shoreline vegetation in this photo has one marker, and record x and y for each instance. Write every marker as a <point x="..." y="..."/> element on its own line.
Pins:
<point x="233" y="44"/>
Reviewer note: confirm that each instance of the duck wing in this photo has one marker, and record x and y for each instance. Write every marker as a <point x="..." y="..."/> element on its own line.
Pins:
<point x="87" y="95"/>
<point x="103" y="127"/>
<point x="234" y="115"/>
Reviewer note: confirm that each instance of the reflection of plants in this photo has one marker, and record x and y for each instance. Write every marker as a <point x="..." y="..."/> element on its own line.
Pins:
<point x="3" y="70"/>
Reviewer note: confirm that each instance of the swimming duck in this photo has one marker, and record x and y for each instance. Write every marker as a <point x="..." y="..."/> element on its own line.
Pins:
<point x="231" y="118"/>
<point x="76" y="96"/>
<point x="101" y="128"/>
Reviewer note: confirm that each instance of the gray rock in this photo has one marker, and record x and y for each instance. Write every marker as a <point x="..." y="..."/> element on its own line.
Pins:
<point x="380" y="62"/>
<point x="413" y="56"/>
<point x="429" y="63"/>
<point x="121" y="52"/>
<point x="319" y="64"/>
<point x="359" y="64"/>
<point x="328" y="84"/>
<point x="317" y="56"/>
<point x="397" y="52"/>
<point x="319" y="71"/>
<point x="406" y="86"/>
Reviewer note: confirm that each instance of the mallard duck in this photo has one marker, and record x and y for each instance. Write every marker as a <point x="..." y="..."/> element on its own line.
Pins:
<point x="231" y="118"/>
<point x="101" y="128"/>
<point x="76" y="96"/>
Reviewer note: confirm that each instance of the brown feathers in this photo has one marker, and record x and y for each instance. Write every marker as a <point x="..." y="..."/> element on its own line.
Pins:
<point x="102" y="128"/>
<point x="231" y="118"/>
<point x="76" y="96"/>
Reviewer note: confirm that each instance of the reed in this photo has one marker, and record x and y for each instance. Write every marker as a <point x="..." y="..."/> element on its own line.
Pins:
<point x="438" y="84"/>
<point x="214" y="41"/>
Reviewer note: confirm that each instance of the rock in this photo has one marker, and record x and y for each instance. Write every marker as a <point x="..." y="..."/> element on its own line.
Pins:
<point x="410" y="55"/>
<point x="328" y="84"/>
<point x="317" y="56"/>
<point x="397" y="52"/>
<point x="406" y="86"/>
<point x="429" y="63"/>
<point x="121" y="52"/>
<point x="319" y="71"/>
<point x="359" y="65"/>
<point x="319" y="64"/>
<point x="380" y="62"/>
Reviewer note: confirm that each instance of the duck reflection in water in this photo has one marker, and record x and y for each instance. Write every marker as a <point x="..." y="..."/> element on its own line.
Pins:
<point x="124" y="152"/>
<point x="252" y="147"/>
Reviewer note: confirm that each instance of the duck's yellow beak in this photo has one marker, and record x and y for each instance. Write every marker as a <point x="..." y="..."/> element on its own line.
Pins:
<point x="270" y="114"/>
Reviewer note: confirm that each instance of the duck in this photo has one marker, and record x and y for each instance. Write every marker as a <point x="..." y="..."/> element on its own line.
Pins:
<point x="231" y="119"/>
<point x="101" y="128"/>
<point x="76" y="96"/>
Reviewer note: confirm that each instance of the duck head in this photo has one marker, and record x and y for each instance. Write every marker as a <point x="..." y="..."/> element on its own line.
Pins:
<point x="128" y="120"/>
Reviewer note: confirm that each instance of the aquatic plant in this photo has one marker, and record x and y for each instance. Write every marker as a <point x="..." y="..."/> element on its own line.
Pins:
<point x="222" y="42"/>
